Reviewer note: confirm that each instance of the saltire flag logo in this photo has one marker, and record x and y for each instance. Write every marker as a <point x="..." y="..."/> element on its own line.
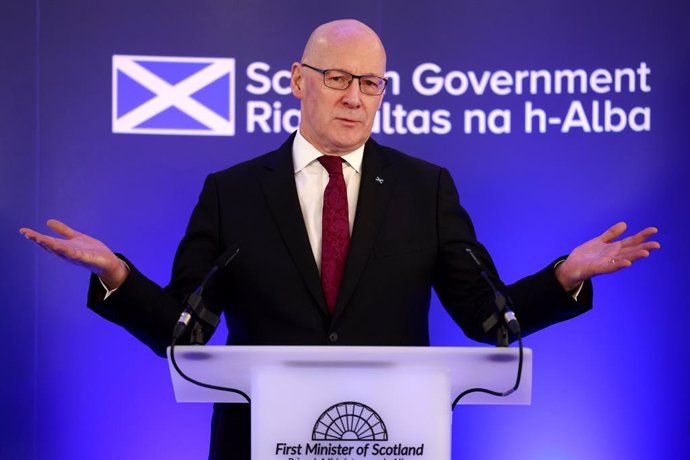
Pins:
<point x="173" y="95"/>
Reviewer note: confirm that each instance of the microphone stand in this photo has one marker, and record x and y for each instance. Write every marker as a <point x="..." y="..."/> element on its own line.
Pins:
<point x="194" y="309"/>
<point x="509" y="322"/>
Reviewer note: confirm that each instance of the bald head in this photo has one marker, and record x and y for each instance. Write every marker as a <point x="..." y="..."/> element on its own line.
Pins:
<point x="328" y="38"/>
<point x="337" y="121"/>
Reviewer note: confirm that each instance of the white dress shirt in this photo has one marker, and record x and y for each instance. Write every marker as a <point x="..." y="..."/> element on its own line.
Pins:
<point x="311" y="179"/>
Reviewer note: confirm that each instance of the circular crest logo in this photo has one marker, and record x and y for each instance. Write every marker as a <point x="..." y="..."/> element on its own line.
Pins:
<point x="349" y="421"/>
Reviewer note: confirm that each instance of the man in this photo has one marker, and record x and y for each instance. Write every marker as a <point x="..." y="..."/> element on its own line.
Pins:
<point x="333" y="252"/>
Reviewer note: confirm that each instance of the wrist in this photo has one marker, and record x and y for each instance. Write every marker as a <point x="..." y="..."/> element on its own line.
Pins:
<point x="567" y="280"/>
<point x="114" y="278"/>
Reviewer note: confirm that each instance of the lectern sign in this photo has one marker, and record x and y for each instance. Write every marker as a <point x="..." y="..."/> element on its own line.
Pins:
<point x="348" y="431"/>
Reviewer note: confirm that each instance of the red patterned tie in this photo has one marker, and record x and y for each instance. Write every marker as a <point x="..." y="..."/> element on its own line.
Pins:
<point x="335" y="235"/>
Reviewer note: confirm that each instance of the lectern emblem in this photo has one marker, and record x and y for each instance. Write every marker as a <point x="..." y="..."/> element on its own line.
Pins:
<point x="349" y="421"/>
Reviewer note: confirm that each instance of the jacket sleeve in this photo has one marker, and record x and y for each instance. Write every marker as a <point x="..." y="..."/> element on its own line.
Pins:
<point x="538" y="300"/>
<point x="145" y="309"/>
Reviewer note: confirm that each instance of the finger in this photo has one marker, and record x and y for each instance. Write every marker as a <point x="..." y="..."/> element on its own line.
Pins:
<point x="56" y="247"/>
<point x="620" y="264"/>
<point x="649" y="245"/>
<point x="613" y="232"/>
<point x="61" y="228"/>
<point x="28" y="233"/>
<point x="47" y="242"/>
<point x="644" y="248"/>
<point x="632" y="256"/>
<point x="650" y="231"/>
<point x="639" y="237"/>
<point x="614" y="264"/>
<point x="33" y="235"/>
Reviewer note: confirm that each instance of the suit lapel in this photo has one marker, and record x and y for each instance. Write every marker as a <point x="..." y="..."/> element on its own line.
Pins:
<point x="374" y="193"/>
<point x="278" y="183"/>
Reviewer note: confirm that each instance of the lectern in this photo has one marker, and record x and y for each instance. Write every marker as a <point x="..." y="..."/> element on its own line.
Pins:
<point x="350" y="403"/>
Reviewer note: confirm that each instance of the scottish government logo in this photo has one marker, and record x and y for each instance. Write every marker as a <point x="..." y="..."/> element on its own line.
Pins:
<point x="350" y="421"/>
<point x="349" y="431"/>
<point x="173" y="95"/>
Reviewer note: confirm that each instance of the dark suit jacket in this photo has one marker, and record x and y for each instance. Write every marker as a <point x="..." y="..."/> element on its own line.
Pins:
<point x="410" y="235"/>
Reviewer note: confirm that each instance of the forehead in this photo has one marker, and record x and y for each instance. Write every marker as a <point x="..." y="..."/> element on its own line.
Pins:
<point x="360" y="54"/>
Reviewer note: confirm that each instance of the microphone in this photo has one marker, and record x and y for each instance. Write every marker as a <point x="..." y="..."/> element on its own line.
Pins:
<point x="194" y="304"/>
<point x="502" y="307"/>
<point x="195" y="308"/>
<point x="504" y="311"/>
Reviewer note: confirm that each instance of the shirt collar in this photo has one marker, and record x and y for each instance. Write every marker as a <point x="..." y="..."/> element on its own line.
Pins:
<point x="304" y="153"/>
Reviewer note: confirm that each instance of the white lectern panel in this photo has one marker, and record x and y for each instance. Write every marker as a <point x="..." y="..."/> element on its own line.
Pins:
<point x="351" y="403"/>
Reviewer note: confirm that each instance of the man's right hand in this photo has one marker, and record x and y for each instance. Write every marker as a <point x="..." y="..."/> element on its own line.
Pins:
<point x="82" y="250"/>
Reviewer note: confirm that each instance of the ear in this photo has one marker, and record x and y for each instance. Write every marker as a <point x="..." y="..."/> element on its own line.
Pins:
<point x="296" y="81"/>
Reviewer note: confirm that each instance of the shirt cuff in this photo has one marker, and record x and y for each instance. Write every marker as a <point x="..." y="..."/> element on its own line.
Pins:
<point x="575" y="292"/>
<point x="109" y="292"/>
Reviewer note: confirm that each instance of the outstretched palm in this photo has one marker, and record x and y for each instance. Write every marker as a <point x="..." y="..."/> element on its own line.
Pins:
<point x="602" y="255"/>
<point x="82" y="250"/>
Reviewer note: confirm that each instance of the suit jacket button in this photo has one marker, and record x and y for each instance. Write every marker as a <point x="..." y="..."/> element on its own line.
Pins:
<point x="333" y="337"/>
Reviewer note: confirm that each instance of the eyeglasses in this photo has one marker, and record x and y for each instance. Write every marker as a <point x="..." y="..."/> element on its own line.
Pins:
<point x="339" y="79"/>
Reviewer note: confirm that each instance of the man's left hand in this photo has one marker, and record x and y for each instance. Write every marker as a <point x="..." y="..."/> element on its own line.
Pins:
<point x="605" y="255"/>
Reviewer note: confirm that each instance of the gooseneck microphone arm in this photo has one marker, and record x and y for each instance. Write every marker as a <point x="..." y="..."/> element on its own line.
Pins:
<point x="194" y="304"/>
<point x="503" y="309"/>
<point x="504" y="313"/>
<point x="195" y="309"/>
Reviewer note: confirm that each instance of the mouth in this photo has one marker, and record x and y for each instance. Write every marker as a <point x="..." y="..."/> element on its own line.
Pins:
<point x="347" y="121"/>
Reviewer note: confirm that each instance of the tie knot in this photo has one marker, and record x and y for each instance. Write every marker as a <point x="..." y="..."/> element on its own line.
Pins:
<point x="333" y="164"/>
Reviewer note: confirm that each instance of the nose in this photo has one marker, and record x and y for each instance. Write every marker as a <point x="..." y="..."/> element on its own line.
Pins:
<point x="353" y="96"/>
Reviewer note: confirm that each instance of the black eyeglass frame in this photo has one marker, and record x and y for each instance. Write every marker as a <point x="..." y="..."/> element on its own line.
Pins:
<point x="352" y="78"/>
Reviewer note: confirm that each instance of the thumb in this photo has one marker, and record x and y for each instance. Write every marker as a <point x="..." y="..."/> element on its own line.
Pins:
<point x="61" y="228"/>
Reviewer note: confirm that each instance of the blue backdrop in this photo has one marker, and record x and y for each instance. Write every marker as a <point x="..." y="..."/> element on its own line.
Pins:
<point x="610" y="384"/>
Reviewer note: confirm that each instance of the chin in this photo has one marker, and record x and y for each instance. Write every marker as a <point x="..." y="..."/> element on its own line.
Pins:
<point x="348" y="143"/>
